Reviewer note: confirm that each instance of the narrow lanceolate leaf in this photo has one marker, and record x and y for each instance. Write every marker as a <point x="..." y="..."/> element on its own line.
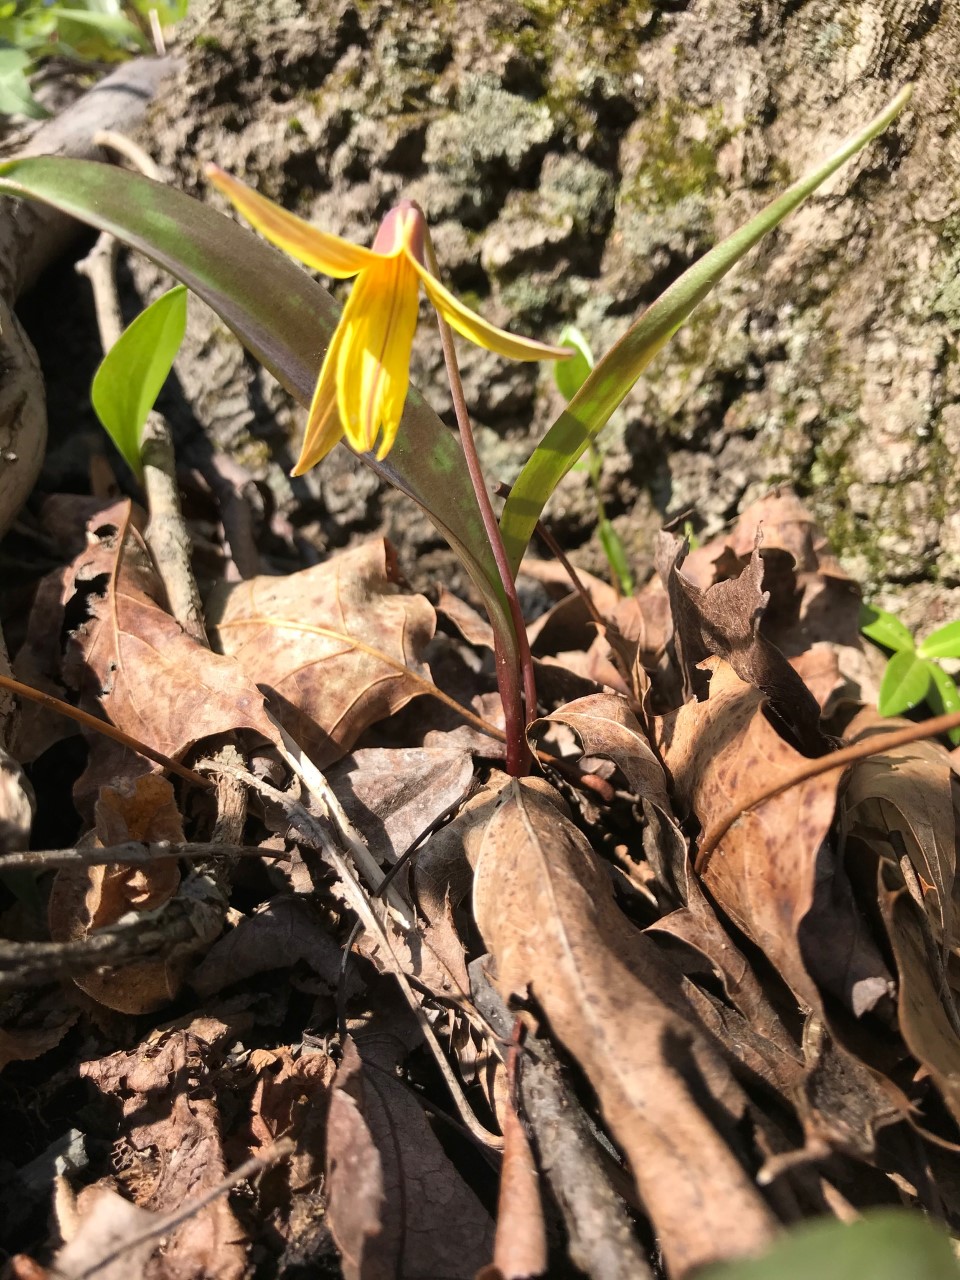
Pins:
<point x="283" y="317"/>
<point x="611" y="380"/>
<point x="942" y="643"/>
<point x="905" y="684"/>
<point x="883" y="628"/>
<point x="126" y="385"/>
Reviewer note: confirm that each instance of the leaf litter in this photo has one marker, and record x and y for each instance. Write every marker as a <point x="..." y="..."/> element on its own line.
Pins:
<point x="725" y="971"/>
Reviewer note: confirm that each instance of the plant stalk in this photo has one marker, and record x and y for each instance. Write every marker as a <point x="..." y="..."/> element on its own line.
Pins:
<point x="519" y="708"/>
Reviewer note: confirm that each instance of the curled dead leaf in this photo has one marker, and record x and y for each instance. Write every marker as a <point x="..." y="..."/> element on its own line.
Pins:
<point x="130" y="649"/>
<point x="84" y="899"/>
<point x="339" y="645"/>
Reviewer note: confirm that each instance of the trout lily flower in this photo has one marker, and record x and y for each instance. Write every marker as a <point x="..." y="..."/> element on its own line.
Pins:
<point x="366" y="371"/>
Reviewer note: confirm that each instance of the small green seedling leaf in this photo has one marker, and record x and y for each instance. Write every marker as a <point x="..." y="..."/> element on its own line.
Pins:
<point x="905" y="684"/>
<point x="942" y="643"/>
<point x="15" y="95"/>
<point x="883" y="628"/>
<point x="570" y="375"/>
<point x="887" y="1244"/>
<point x="126" y="386"/>
<point x="943" y="697"/>
<point x="616" y="554"/>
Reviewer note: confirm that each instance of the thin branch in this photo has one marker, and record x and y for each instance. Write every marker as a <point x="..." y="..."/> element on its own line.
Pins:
<point x="132" y="853"/>
<point x="169" y="1222"/>
<point x="88" y="721"/>
<point x="835" y="762"/>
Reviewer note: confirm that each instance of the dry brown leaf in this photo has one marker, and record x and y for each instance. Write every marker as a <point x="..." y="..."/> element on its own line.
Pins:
<point x="170" y="1136"/>
<point x="397" y="1207"/>
<point x="927" y="1011"/>
<point x="290" y="1100"/>
<point x="106" y="1222"/>
<point x="520" y="1248"/>
<point x="282" y="932"/>
<point x="545" y="907"/>
<point x="904" y="799"/>
<point x="764" y="874"/>
<point x="724" y="621"/>
<point x="132" y="659"/>
<point x="83" y="899"/>
<point x="605" y="726"/>
<point x="392" y="796"/>
<point x="339" y="645"/>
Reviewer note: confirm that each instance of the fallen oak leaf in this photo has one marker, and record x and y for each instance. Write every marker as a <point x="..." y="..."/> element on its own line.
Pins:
<point x="605" y="726"/>
<point x="338" y="645"/>
<point x="908" y="793"/>
<point x="763" y="874"/>
<point x="129" y="648"/>
<point x="927" y="1013"/>
<point x="545" y="907"/>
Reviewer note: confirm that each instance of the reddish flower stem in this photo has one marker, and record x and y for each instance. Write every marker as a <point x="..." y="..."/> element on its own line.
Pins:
<point x="518" y="710"/>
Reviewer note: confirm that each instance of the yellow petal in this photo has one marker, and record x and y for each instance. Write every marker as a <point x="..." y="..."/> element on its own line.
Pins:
<point x="327" y="253"/>
<point x="373" y="369"/>
<point x="324" y="428"/>
<point x="480" y="331"/>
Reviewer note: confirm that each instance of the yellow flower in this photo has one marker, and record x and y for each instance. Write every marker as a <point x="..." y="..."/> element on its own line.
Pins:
<point x="366" y="372"/>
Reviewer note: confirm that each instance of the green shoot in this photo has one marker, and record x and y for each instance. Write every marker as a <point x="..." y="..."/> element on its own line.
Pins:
<point x="131" y="374"/>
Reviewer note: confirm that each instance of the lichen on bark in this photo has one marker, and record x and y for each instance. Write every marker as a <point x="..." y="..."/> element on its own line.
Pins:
<point x="573" y="166"/>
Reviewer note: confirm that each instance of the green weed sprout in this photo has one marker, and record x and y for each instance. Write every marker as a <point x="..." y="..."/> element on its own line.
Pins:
<point x="131" y="374"/>
<point x="83" y="31"/>
<point x="913" y="673"/>
<point x="570" y="377"/>
<point x="285" y="318"/>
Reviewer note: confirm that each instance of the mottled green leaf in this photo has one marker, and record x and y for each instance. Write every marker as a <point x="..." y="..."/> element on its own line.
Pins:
<point x="126" y="386"/>
<point x="282" y="316"/>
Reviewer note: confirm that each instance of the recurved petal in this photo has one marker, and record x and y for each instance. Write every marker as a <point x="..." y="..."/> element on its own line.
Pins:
<point x="318" y="249"/>
<point x="324" y="428"/>
<point x="480" y="331"/>
<point x="373" y="368"/>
